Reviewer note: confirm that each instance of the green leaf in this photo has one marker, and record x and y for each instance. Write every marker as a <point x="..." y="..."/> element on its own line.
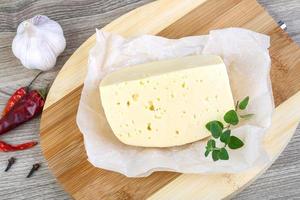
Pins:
<point x="247" y="116"/>
<point x="208" y="125"/>
<point x="231" y="117"/>
<point x="207" y="153"/>
<point x="223" y="155"/>
<point x="225" y="136"/>
<point x="215" y="155"/>
<point x="243" y="104"/>
<point x="235" y="143"/>
<point x="211" y="144"/>
<point x="215" y="130"/>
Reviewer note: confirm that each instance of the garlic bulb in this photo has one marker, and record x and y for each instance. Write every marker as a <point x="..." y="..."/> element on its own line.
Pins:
<point x="38" y="42"/>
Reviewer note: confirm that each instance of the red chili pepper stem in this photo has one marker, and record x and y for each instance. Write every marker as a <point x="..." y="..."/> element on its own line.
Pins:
<point x="32" y="81"/>
<point x="43" y="92"/>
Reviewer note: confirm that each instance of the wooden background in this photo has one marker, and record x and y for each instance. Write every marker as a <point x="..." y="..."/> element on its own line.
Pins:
<point x="79" y="20"/>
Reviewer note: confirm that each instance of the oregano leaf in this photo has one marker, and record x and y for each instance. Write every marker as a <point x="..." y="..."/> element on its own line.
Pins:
<point x="235" y="143"/>
<point x="206" y="153"/>
<point x="215" y="130"/>
<point x="208" y="125"/>
<point x="231" y="117"/>
<point x="243" y="104"/>
<point x="211" y="144"/>
<point x="223" y="154"/>
<point x="225" y="136"/>
<point x="215" y="155"/>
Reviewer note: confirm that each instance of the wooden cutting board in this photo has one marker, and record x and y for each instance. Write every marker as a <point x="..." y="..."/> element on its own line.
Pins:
<point x="62" y="142"/>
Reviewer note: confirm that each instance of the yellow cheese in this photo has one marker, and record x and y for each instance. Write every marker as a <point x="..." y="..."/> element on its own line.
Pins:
<point x="166" y="103"/>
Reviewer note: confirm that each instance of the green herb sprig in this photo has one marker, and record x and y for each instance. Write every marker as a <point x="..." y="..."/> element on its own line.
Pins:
<point x="219" y="131"/>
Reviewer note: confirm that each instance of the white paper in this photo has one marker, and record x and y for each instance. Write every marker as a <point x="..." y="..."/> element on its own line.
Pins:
<point x="246" y="56"/>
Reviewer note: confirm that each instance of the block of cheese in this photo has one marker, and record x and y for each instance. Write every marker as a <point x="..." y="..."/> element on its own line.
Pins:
<point x="166" y="103"/>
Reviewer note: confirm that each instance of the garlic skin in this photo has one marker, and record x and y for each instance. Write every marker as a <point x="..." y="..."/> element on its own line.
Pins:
<point x="38" y="43"/>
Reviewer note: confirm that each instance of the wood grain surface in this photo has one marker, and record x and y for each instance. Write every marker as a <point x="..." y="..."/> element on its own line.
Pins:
<point x="79" y="20"/>
<point x="62" y="142"/>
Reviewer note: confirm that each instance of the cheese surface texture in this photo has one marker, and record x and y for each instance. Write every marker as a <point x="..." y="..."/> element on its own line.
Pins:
<point x="166" y="103"/>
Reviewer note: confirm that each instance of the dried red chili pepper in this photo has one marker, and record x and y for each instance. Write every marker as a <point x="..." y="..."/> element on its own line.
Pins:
<point x="17" y="95"/>
<point x="5" y="147"/>
<point x="24" y="110"/>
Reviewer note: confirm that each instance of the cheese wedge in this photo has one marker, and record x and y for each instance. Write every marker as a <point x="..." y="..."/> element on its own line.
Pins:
<point x="166" y="103"/>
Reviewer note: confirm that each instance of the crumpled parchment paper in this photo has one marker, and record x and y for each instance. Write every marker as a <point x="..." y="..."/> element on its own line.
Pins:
<point x="246" y="56"/>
